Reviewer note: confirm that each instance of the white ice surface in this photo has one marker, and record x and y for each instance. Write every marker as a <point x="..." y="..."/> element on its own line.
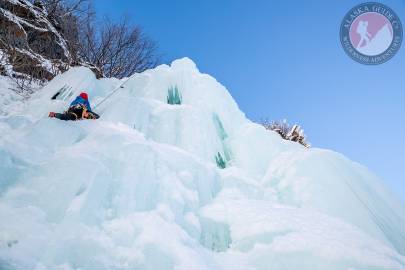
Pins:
<point x="139" y="188"/>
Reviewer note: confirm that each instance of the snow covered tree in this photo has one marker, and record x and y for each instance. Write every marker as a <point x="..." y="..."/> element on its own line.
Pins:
<point x="294" y="133"/>
<point x="281" y="127"/>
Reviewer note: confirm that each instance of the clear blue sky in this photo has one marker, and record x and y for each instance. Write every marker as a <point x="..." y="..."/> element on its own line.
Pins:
<point x="283" y="59"/>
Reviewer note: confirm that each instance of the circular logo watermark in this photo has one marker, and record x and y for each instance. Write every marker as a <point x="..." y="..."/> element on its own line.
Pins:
<point x="371" y="33"/>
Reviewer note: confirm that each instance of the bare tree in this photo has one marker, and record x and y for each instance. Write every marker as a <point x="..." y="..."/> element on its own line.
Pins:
<point x="63" y="8"/>
<point x="118" y="49"/>
<point x="112" y="49"/>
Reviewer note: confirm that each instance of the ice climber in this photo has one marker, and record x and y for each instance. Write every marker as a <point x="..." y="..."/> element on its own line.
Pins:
<point x="78" y="109"/>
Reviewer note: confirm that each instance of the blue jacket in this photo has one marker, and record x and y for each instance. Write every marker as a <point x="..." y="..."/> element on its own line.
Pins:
<point x="80" y="100"/>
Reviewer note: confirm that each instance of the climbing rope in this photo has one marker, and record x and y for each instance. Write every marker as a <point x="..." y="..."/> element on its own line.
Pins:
<point x="114" y="91"/>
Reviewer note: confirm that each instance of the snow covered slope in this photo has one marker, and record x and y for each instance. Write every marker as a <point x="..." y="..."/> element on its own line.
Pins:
<point x="140" y="188"/>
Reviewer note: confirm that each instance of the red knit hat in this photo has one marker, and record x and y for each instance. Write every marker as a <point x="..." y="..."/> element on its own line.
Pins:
<point x="84" y="95"/>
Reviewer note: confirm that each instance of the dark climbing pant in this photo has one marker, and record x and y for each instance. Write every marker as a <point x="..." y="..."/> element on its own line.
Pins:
<point x="66" y="116"/>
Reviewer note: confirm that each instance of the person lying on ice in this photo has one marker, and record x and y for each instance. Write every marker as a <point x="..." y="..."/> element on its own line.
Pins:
<point x="79" y="109"/>
<point x="83" y="99"/>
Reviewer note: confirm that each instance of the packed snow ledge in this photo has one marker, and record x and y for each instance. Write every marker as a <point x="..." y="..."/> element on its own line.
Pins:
<point x="173" y="176"/>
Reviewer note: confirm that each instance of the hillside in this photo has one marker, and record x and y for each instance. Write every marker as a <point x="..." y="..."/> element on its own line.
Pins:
<point x="33" y="43"/>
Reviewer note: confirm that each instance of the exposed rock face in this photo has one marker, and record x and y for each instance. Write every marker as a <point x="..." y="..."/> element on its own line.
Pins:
<point x="31" y="43"/>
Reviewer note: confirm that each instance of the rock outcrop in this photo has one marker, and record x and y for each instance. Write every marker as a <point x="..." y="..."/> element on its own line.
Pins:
<point x="31" y="42"/>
